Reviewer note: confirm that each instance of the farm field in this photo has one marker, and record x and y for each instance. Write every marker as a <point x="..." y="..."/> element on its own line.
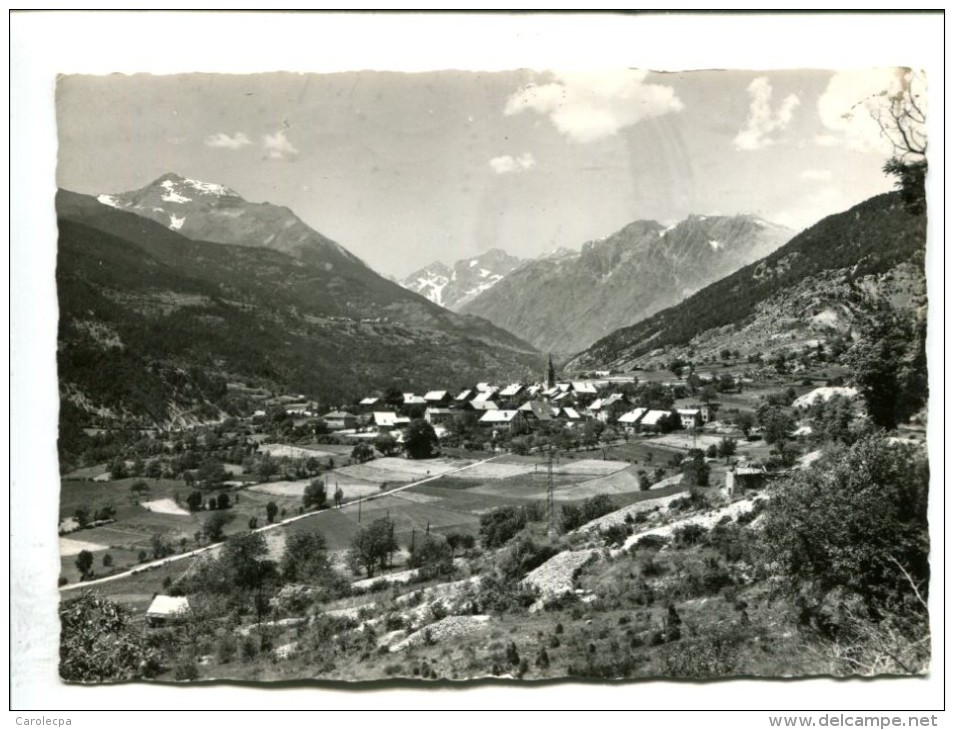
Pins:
<point x="322" y="451"/>
<point x="352" y="488"/>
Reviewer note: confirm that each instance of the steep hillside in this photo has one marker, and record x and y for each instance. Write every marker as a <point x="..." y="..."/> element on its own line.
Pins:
<point x="813" y="286"/>
<point x="563" y="302"/>
<point x="152" y="324"/>
<point x="455" y="287"/>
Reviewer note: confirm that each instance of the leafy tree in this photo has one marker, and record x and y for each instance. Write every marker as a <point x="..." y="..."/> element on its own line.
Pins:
<point x="117" y="469"/>
<point x="831" y="420"/>
<point x="373" y="545"/>
<point x="306" y="558"/>
<point x="98" y="643"/>
<point x="253" y="523"/>
<point x="140" y="488"/>
<point x="386" y="444"/>
<point x="107" y="561"/>
<point x="84" y="563"/>
<point x="901" y="117"/>
<point x="211" y="472"/>
<point x="271" y="511"/>
<point x="223" y="501"/>
<point x="362" y="453"/>
<point x="82" y="516"/>
<point x="194" y="501"/>
<point x="266" y="468"/>
<point x="339" y="495"/>
<point x="433" y="557"/>
<point x="727" y="447"/>
<point x="315" y="496"/>
<point x="856" y="522"/>
<point x="745" y="421"/>
<point x="776" y="423"/>
<point x="501" y="523"/>
<point x="670" y="422"/>
<point x="214" y="526"/>
<point x="421" y="441"/>
<point x="161" y="547"/>
<point x="890" y="365"/>
<point x="695" y="470"/>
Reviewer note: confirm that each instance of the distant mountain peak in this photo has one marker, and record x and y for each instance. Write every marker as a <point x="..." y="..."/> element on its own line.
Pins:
<point x="207" y="211"/>
<point x="454" y="286"/>
<point x="565" y="300"/>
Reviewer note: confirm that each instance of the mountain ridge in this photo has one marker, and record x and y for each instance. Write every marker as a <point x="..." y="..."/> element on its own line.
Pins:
<point x="813" y="284"/>
<point x="563" y="301"/>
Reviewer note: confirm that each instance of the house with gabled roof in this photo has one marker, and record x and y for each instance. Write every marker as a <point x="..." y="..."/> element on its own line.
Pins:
<point x="630" y="420"/>
<point x="437" y="397"/>
<point x="536" y="410"/>
<point x="339" y="420"/>
<point x="690" y="417"/>
<point x="414" y="400"/>
<point x="437" y="416"/>
<point x="651" y="420"/>
<point x="513" y="419"/>
<point x="511" y="391"/>
<point x="465" y="396"/>
<point x="571" y="414"/>
<point x="483" y="405"/>
<point x="388" y="420"/>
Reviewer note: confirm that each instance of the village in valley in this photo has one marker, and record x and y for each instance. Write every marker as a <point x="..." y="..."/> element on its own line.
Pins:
<point x="694" y="447"/>
<point x="408" y="498"/>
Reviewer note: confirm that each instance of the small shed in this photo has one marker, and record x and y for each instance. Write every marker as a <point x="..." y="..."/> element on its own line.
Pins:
<point x="165" y="609"/>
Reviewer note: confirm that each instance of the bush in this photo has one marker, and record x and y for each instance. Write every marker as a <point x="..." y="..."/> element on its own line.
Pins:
<point x="573" y="517"/>
<point x="501" y="524"/>
<point x="651" y="542"/>
<point x="523" y="556"/>
<point x="689" y="535"/>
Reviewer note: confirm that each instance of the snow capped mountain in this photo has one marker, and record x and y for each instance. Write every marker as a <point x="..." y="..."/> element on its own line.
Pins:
<point x="454" y="287"/>
<point x="206" y="211"/>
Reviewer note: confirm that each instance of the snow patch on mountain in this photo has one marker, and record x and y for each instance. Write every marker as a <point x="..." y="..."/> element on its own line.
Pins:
<point x="176" y="223"/>
<point x="108" y="200"/>
<point x="172" y="195"/>
<point x="716" y="245"/>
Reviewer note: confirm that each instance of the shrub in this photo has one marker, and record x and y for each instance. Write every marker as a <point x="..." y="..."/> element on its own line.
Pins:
<point x="501" y="524"/>
<point x="688" y="535"/>
<point x="651" y="542"/>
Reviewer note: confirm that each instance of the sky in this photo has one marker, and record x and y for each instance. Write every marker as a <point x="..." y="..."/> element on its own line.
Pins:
<point x="407" y="168"/>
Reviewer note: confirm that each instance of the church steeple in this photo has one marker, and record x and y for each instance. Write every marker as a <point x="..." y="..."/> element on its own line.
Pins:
<point x="551" y="373"/>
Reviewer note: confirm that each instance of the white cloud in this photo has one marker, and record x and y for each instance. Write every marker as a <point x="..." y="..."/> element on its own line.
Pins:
<point x="818" y="175"/>
<point x="846" y="105"/>
<point x="278" y="146"/>
<point x="221" y="139"/>
<point x="587" y="107"/>
<point x="762" y="121"/>
<point x="508" y="163"/>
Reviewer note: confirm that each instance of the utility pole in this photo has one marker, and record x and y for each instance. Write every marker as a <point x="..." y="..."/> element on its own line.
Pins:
<point x="359" y="510"/>
<point x="551" y="527"/>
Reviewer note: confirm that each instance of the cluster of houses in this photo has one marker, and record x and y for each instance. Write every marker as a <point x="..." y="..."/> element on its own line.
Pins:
<point x="515" y="407"/>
